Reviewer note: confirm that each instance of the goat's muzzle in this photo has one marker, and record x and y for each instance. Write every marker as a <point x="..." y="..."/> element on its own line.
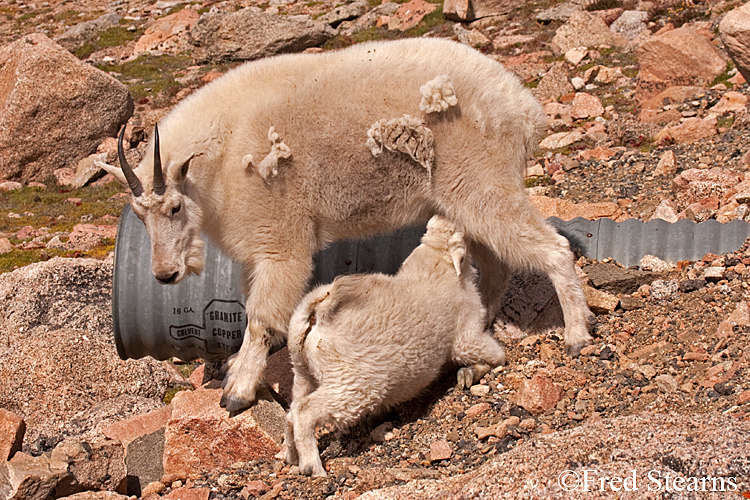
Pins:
<point x="168" y="280"/>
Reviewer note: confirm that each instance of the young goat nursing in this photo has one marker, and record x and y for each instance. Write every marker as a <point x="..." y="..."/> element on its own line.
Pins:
<point x="371" y="341"/>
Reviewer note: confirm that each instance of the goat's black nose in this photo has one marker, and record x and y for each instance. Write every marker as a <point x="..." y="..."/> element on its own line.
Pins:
<point x="168" y="280"/>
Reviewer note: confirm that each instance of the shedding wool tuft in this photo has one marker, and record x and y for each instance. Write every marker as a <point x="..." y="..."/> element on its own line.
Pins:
<point x="406" y="134"/>
<point x="437" y="95"/>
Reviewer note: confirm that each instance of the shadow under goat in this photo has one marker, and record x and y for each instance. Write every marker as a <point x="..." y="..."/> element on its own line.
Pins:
<point x="372" y="341"/>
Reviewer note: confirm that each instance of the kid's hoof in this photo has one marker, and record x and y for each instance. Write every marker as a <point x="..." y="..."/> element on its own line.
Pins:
<point x="466" y="376"/>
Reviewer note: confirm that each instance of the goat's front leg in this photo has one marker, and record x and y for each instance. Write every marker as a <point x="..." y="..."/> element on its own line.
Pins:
<point x="276" y="288"/>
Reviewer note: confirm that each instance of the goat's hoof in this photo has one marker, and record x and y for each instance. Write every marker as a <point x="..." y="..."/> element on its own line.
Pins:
<point x="575" y="350"/>
<point x="466" y="377"/>
<point x="233" y="403"/>
<point x="312" y="470"/>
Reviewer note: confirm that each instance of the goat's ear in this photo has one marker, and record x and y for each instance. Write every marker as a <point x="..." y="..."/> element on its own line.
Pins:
<point x="181" y="173"/>
<point x="115" y="171"/>
<point x="457" y="250"/>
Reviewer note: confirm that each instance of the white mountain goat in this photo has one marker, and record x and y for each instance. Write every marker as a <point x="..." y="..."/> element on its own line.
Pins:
<point x="371" y="341"/>
<point x="281" y="156"/>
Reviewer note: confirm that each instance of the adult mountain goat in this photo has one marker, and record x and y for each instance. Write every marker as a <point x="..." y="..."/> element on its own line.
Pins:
<point x="281" y="156"/>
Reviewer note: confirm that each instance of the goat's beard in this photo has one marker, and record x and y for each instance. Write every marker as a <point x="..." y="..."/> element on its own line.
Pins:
<point x="195" y="259"/>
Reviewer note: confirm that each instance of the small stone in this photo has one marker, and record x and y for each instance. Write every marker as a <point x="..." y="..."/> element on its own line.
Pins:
<point x="666" y="210"/>
<point x="477" y="409"/>
<point x="724" y="388"/>
<point x="188" y="493"/>
<point x="606" y="353"/>
<point x="440" y="450"/>
<point x="10" y="186"/>
<point x="630" y="303"/>
<point x="539" y="394"/>
<point x="688" y="286"/>
<point x="155" y="488"/>
<point x="479" y="390"/>
<point x="586" y="106"/>
<point x="653" y="263"/>
<point x="254" y="489"/>
<point x="714" y="273"/>
<point x="5" y="246"/>
<point x="472" y="38"/>
<point x="576" y="55"/>
<point x="666" y="383"/>
<point x="599" y="301"/>
<point x="648" y="371"/>
<point x="561" y="139"/>
<point x="590" y="350"/>
<point x="528" y="424"/>
<point x="664" y="290"/>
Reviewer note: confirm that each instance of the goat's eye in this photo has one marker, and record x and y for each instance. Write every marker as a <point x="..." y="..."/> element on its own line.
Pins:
<point x="176" y="209"/>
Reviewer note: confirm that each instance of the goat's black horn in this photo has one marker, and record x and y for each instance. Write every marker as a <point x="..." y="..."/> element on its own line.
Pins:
<point x="159" y="186"/>
<point x="135" y="184"/>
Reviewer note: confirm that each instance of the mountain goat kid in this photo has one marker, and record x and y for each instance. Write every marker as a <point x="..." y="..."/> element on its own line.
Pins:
<point x="369" y="341"/>
<point x="282" y="156"/>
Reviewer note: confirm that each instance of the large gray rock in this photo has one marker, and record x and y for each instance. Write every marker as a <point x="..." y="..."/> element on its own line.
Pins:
<point x="735" y="34"/>
<point x="584" y="29"/>
<point x="87" y="31"/>
<point x="651" y="447"/>
<point x="246" y="35"/>
<point x="630" y="24"/>
<point x="54" y="109"/>
<point x="57" y="352"/>
<point x="469" y="10"/>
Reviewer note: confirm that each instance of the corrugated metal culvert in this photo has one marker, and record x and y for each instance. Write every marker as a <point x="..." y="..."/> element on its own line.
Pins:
<point x="204" y="316"/>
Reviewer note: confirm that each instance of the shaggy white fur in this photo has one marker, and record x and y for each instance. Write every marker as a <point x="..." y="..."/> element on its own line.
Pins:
<point x="370" y="341"/>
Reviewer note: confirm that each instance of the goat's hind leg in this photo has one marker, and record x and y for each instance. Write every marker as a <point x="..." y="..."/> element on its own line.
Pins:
<point x="493" y="278"/>
<point x="336" y="405"/>
<point x="303" y="386"/>
<point x="522" y="239"/>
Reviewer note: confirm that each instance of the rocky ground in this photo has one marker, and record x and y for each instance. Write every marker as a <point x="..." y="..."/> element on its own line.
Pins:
<point x="628" y="138"/>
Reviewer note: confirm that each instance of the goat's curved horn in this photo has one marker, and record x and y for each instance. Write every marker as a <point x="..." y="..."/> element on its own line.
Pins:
<point x="159" y="186"/>
<point x="135" y="184"/>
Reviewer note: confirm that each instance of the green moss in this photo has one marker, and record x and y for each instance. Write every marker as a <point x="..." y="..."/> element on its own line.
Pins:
<point x="724" y="77"/>
<point x="25" y="17"/>
<point x="116" y="36"/>
<point x="111" y="37"/>
<point x="428" y="23"/>
<point x="725" y="122"/>
<point x="186" y="369"/>
<point x="530" y="182"/>
<point x="171" y="393"/>
<point x="149" y="75"/>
